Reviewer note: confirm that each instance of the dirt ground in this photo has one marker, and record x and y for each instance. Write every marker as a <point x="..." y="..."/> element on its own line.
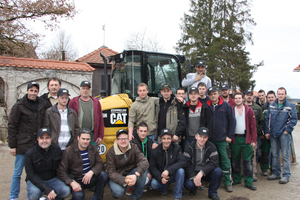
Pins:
<point x="265" y="189"/>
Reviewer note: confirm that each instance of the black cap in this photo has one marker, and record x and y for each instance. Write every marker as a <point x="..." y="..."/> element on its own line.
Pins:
<point x="203" y="131"/>
<point x="166" y="131"/>
<point x="224" y="87"/>
<point x="83" y="83"/>
<point x="62" y="91"/>
<point x="212" y="89"/>
<point x="121" y="131"/>
<point x="30" y="84"/>
<point x="248" y="91"/>
<point x="165" y="86"/>
<point x="194" y="89"/>
<point x="43" y="131"/>
<point x="200" y="63"/>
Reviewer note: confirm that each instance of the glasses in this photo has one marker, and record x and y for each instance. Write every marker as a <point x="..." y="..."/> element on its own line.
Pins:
<point x="122" y="139"/>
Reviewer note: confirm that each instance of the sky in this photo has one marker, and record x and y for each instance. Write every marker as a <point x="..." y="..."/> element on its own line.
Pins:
<point x="276" y="36"/>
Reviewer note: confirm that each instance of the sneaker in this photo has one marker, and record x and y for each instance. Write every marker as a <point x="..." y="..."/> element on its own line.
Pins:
<point x="273" y="177"/>
<point x="284" y="180"/>
<point x="145" y="189"/>
<point x="164" y="193"/>
<point x="264" y="173"/>
<point x="251" y="187"/>
<point x="12" y="198"/>
<point x="193" y="192"/>
<point x="128" y="191"/>
<point x="201" y="187"/>
<point x="214" y="197"/>
<point x="228" y="188"/>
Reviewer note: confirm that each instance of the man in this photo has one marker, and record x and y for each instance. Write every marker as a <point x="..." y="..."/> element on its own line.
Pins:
<point x="180" y="94"/>
<point x="53" y="86"/>
<point x="126" y="166"/>
<point x="167" y="165"/>
<point x="81" y="167"/>
<point x="243" y="142"/>
<point x="202" y="164"/>
<point x="223" y="126"/>
<point x="41" y="163"/>
<point x="193" y="79"/>
<point x="262" y="100"/>
<point x="225" y="94"/>
<point x="171" y="114"/>
<point x="260" y="126"/>
<point x="280" y="120"/>
<point x="62" y="121"/>
<point x="144" y="109"/>
<point x="26" y="118"/>
<point x="89" y="112"/>
<point x="202" y="92"/>
<point x="197" y="115"/>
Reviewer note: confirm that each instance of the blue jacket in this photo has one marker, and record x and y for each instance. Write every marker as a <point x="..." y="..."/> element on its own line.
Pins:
<point x="280" y="119"/>
<point x="223" y="121"/>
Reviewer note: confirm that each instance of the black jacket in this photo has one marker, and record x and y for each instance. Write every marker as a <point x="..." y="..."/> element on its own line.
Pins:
<point x="45" y="97"/>
<point x="211" y="157"/>
<point x="136" y="140"/>
<point x="172" y="156"/>
<point x="41" y="165"/>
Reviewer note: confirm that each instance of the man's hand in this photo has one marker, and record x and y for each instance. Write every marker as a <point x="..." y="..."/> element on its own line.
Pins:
<point x="130" y="180"/>
<point x="180" y="99"/>
<point x="199" y="77"/>
<point x="75" y="186"/>
<point x="285" y="132"/>
<point x="51" y="195"/>
<point x="253" y="144"/>
<point x="149" y="176"/>
<point x="12" y="151"/>
<point x="154" y="145"/>
<point x="87" y="177"/>
<point x="98" y="141"/>
<point x="197" y="179"/>
<point x="165" y="174"/>
<point x="164" y="181"/>
<point x="228" y="140"/>
<point x="175" y="138"/>
<point x="267" y="136"/>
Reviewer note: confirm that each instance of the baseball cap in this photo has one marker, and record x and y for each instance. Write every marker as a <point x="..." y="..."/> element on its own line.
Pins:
<point x="200" y="63"/>
<point x="83" y="83"/>
<point x="194" y="89"/>
<point x="212" y="89"/>
<point x="166" y="131"/>
<point x="248" y="91"/>
<point x="120" y="131"/>
<point x="224" y="87"/>
<point x="165" y="86"/>
<point x="203" y="131"/>
<point x="43" y="131"/>
<point x="62" y="91"/>
<point x="30" y="84"/>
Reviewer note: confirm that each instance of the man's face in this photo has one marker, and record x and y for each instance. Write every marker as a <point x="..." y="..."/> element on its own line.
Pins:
<point x="281" y="94"/>
<point x="225" y="93"/>
<point x="271" y="98"/>
<point x="193" y="95"/>
<point x="180" y="93"/>
<point x="142" y="92"/>
<point x="238" y="99"/>
<point x="200" y="69"/>
<point x="84" y="141"/>
<point x="44" y="141"/>
<point x="63" y="100"/>
<point x="166" y="141"/>
<point x="262" y="96"/>
<point x="166" y="93"/>
<point x="85" y="91"/>
<point x="201" y="139"/>
<point x="202" y="91"/>
<point x="142" y="132"/>
<point x="53" y="87"/>
<point x="32" y="93"/>
<point x="249" y="97"/>
<point x="214" y="97"/>
<point x="123" y="141"/>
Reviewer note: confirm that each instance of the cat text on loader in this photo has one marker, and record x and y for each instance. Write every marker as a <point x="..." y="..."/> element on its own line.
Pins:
<point x="129" y="69"/>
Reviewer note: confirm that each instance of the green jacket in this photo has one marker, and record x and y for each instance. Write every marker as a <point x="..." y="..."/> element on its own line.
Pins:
<point x="260" y="119"/>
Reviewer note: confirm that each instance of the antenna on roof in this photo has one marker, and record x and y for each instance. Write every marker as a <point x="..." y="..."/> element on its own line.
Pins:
<point x="103" y="28"/>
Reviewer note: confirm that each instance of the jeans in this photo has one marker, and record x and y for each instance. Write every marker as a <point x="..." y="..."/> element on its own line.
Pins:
<point x="283" y="143"/>
<point x="137" y="190"/>
<point x="178" y="178"/>
<point x="152" y="137"/>
<point x="16" y="178"/>
<point x="214" y="178"/>
<point x="98" y="181"/>
<point x="59" y="187"/>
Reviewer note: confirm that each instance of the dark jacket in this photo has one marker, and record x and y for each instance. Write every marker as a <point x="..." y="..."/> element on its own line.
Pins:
<point x="211" y="157"/>
<point x="45" y="97"/>
<point x="172" y="156"/>
<point x="41" y="166"/>
<point x="71" y="165"/>
<point x="136" y="140"/>
<point x="23" y="124"/>
<point x="260" y="118"/>
<point x="52" y="120"/>
<point x="119" y="164"/>
<point x="223" y="121"/>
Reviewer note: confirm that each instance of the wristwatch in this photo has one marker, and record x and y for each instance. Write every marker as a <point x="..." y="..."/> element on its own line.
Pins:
<point x="137" y="177"/>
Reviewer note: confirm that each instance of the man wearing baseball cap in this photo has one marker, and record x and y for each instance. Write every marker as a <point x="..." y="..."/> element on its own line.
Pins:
<point x="62" y="121"/>
<point x="202" y="164"/>
<point x="89" y="112"/>
<point x="225" y="94"/>
<point x="26" y="118"/>
<point x="41" y="163"/>
<point x="167" y="165"/>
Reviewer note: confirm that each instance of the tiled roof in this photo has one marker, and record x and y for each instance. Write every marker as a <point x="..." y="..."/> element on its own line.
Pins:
<point x="44" y="64"/>
<point x="94" y="57"/>
<point x="297" y="69"/>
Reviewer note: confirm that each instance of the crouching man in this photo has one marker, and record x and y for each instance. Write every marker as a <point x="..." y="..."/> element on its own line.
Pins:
<point x="41" y="162"/>
<point x="202" y="164"/>
<point x="126" y="167"/>
<point x="81" y="167"/>
<point x="167" y="165"/>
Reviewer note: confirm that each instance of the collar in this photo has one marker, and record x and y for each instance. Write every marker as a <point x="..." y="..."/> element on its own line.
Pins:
<point x="117" y="149"/>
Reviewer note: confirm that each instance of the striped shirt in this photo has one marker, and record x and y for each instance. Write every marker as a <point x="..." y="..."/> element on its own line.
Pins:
<point x="86" y="162"/>
<point x="65" y="134"/>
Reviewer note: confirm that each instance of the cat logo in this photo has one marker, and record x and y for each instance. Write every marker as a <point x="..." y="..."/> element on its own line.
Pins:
<point x="118" y="116"/>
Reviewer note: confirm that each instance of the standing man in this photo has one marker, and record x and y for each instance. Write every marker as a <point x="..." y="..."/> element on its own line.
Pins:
<point x="26" y="118"/>
<point x="223" y="126"/>
<point x="62" y="121"/>
<point x="243" y="142"/>
<point x="262" y="100"/>
<point x="202" y="92"/>
<point x="81" y="167"/>
<point x="53" y="86"/>
<point x="180" y="94"/>
<point x="225" y="94"/>
<point x="202" y="164"/>
<point x="41" y="163"/>
<point x="144" y="109"/>
<point x="280" y="122"/>
<point x="193" y="79"/>
<point x="167" y="165"/>
<point x="89" y="112"/>
<point x="126" y="167"/>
